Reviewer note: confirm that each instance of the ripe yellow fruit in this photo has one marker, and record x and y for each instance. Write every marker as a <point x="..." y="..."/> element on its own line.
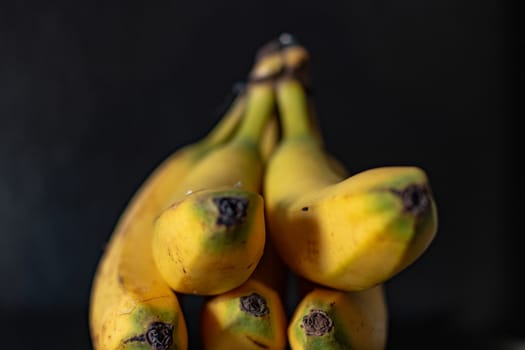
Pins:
<point x="349" y="234"/>
<point x="328" y="319"/>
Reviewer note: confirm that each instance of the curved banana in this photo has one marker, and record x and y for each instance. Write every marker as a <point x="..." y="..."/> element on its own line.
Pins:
<point x="131" y="307"/>
<point x="349" y="234"/>
<point x="328" y="319"/>
<point x="212" y="238"/>
<point x="251" y="316"/>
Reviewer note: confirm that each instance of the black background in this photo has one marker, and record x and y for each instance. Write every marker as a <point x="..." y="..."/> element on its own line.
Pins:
<point x="94" y="95"/>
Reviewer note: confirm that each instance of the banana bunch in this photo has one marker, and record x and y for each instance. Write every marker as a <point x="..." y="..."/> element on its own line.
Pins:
<point x="228" y="217"/>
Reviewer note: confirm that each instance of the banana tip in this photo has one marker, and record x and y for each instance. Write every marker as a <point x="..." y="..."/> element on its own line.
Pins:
<point x="158" y="336"/>
<point x="316" y="323"/>
<point x="254" y="304"/>
<point x="231" y="210"/>
<point x="415" y="198"/>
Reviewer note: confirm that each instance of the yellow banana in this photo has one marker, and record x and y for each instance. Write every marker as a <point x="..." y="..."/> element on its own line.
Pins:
<point x="131" y="307"/>
<point x="211" y="241"/>
<point x="270" y="138"/>
<point x="329" y="319"/>
<point x="251" y="316"/>
<point x="349" y="234"/>
<point x="212" y="238"/>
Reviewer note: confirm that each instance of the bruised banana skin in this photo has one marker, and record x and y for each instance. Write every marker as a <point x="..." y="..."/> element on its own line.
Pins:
<point x="227" y="233"/>
<point x="131" y="307"/>
<point x="251" y="316"/>
<point x="349" y="234"/>
<point x="328" y="319"/>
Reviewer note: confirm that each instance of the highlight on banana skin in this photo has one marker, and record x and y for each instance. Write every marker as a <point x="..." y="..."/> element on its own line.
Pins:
<point x="257" y="200"/>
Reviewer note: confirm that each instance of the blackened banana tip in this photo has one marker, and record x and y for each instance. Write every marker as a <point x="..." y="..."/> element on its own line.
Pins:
<point x="232" y="210"/>
<point x="415" y="198"/>
<point x="316" y="323"/>
<point x="254" y="304"/>
<point x="159" y="335"/>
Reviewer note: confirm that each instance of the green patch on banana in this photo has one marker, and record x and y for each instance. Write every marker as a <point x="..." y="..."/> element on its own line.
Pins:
<point x="229" y="218"/>
<point x="247" y="323"/>
<point x="335" y="338"/>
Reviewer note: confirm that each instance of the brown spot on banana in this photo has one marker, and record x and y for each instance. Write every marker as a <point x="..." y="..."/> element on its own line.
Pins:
<point x="257" y="343"/>
<point x="138" y="338"/>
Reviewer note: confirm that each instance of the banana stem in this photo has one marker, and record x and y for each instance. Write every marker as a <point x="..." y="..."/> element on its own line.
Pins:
<point x="228" y="123"/>
<point x="259" y="106"/>
<point x="293" y="108"/>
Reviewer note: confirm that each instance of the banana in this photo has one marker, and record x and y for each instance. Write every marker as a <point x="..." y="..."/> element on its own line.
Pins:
<point x="251" y="316"/>
<point x="328" y="319"/>
<point x="270" y="138"/>
<point x="296" y="61"/>
<point x="349" y="234"/>
<point x="211" y="239"/>
<point x="131" y="307"/>
<point x="225" y="321"/>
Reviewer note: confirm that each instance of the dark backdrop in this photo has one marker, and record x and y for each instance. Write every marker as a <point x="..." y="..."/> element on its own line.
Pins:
<point x="94" y="95"/>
